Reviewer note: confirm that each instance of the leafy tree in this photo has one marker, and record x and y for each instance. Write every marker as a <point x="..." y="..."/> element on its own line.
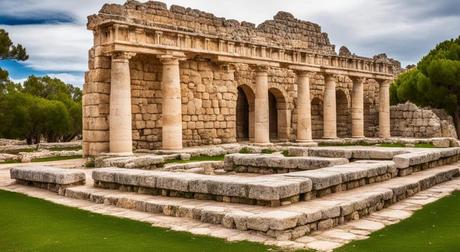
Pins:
<point x="435" y="82"/>
<point x="10" y="51"/>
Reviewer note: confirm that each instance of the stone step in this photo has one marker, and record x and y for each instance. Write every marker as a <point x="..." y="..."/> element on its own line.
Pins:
<point x="286" y="222"/>
<point x="272" y="164"/>
<point x="270" y="190"/>
<point x="50" y="178"/>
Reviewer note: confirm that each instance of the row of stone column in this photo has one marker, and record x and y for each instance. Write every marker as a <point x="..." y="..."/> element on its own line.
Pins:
<point x="120" y="105"/>
<point x="121" y="115"/>
<point x="304" y="128"/>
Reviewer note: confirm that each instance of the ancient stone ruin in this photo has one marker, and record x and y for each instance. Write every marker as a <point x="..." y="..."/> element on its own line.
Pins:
<point x="164" y="78"/>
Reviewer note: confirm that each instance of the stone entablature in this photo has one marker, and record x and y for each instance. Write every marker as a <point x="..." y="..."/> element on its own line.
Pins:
<point x="189" y="84"/>
<point x="118" y="28"/>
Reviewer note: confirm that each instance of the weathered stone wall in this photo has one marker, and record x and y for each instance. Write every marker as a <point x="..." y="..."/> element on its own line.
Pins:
<point x="96" y="98"/>
<point x="284" y="30"/>
<point x="408" y="120"/>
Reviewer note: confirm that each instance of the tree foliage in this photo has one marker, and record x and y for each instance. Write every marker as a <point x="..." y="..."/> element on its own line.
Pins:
<point x="43" y="107"/>
<point x="10" y="51"/>
<point x="435" y="82"/>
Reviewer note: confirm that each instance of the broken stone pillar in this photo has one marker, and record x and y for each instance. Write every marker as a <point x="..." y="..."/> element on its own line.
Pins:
<point x="357" y="108"/>
<point x="121" y="141"/>
<point x="384" y="109"/>
<point x="171" y="105"/>
<point x="261" y="110"/>
<point x="304" y="133"/>
<point x="329" y="108"/>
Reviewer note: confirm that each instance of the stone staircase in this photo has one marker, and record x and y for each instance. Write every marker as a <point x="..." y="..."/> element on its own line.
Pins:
<point x="284" y="206"/>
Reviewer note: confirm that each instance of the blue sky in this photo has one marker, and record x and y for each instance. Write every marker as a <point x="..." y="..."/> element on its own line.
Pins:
<point x="54" y="31"/>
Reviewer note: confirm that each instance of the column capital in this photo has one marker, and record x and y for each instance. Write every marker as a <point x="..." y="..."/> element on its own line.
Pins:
<point x="385" y="83"/>
<point x="170" y="59"/>
<point x="122" y="55"/>
<point x="304" y="73"/>
<point x="330" y="77"/>
<point x="357" y="79"/>
<point x="262" y="68"/>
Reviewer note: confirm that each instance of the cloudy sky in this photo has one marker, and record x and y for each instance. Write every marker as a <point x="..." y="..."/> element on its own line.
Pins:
<point x="54" y="31"/>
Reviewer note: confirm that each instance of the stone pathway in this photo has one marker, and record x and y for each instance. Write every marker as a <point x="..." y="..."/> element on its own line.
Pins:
<point x="320" y="240"/>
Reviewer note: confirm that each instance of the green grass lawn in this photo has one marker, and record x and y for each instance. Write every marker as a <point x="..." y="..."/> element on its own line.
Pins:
<point x="196" y="159"/>
<point x="48" y="159"/>
<point x="31" y="224"/>
<point x="436" y="227"/>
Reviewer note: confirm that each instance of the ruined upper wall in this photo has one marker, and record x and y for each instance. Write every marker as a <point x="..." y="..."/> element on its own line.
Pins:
<point x="283" y="31"/>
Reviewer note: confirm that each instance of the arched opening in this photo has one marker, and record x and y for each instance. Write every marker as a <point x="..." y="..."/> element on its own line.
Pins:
<point x="279" y="116"/>
<point x="244" y="114"/>
<point x="343" y="115"/>
<point x="317" y="118"/>
<point x="273" y="117"/>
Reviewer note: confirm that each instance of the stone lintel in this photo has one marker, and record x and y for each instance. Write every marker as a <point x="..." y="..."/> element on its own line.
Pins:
<point x="230" y="59"/>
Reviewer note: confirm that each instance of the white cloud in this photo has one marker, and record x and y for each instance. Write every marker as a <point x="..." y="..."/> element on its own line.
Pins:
<point x="74" y="79"/>
<point x="53" y="47"/>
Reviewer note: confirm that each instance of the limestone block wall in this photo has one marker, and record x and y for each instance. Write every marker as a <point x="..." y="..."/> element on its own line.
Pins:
<point x="209" y="103"/>
<point x="96" y="95"/>
<point x="408" y="120"/>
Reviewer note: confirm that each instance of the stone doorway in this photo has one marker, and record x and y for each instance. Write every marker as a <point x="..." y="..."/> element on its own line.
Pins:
<point x="279" y="116"/>
<point x="244" y="114"/>
<point x="273" y="117"/>
<point x="343" y="114"/>
<point x="317" y="118"/>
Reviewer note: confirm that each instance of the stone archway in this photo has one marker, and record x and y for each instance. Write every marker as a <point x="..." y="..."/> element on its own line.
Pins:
<point x="245" y="114"/>
<point x="279" y="116"/>
<point x="317" y="118"/>
<point x="343" y="114"/>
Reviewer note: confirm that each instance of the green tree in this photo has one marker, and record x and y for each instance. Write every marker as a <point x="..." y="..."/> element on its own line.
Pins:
<point x="435" y="82"/>
<point x="10" y="51"/>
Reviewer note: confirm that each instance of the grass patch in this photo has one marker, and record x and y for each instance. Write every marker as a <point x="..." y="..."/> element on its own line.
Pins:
<point x="425" y="145"/>
<point x="245" y="150"/>
<point x="17" y="151"/>
<point x="285" y="153"/>
<point x="31" y="224"/>
<point x="11" y="162"/>
<point x="267" y="151"/>
<point x="390" y="145"/>
<point x="75" y="148"/>
<point x="197" y="159"/>
<point x="436" y="227"/>
<point x="48" y="159"/>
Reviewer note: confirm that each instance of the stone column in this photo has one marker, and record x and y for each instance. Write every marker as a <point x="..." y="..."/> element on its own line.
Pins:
<point x="121" y="141"/>
<point x="261" y="110"/>
<point x="171" y="104"/>
<point x="357" y="108"/>
<point x="329" y="108"/>
<point x="384" y="109"/>
<point x="303" y="108"/>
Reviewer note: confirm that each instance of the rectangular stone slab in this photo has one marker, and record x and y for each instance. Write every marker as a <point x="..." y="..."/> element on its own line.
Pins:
<point x="45" y="174"/>
<point x="280" y="162"/>
<point x="260" y="188"/>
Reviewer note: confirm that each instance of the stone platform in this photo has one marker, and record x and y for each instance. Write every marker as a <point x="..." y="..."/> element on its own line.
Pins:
<point x="50" y="178"/>
<point x="285" y="222"/>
